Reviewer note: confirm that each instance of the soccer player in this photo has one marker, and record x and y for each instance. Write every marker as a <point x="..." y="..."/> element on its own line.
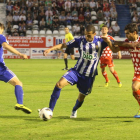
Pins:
<point x="8" y="76"/>
<point x="106" y="59"/>
<point x="68" y="51"/>
<point x="131" y="31"/>
<point x="83" y="74"/>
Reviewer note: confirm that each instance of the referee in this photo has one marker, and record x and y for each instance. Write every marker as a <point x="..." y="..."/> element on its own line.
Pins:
<point x="68" y="51"/>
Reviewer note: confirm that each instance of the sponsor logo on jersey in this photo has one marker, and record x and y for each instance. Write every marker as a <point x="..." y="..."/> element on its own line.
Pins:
<point x="90" y="56"/>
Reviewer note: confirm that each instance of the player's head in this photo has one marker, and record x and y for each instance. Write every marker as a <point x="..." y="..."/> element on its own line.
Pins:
<point x="1" y="28"/>
<point x="104" y="30"/>
<point x="90" y="33"/>
<point x="66" y="30"/>
<point x="131" y="31"/>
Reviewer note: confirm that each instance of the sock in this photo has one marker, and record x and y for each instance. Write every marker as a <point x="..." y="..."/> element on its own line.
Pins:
<point x="77" y="105"/>
<point x="19" y="94"/>
<point x="136" y="94"/>
<point x="105" y="76"/>
<point x="55" y="95"/>
<point x="116" y="76"/>
<point x="66" y="62"/>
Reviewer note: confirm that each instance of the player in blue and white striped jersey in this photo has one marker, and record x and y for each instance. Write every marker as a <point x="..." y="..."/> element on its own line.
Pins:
<point x="83" y="74"/>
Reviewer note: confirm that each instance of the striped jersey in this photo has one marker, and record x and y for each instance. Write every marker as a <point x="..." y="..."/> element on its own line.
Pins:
<point x="135" y="55"/>
<point x="107" y="53"/>
<point x="90" y="53"/>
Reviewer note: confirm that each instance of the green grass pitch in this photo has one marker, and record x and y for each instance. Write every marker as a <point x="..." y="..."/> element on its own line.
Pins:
<point x="107" y="113"/>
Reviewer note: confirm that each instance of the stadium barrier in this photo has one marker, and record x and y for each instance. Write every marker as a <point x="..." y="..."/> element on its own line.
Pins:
<point x="33" y="47"/>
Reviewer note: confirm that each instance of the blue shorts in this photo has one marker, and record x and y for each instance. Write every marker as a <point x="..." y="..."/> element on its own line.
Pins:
<point x="84" y="84"/>
<point x="7" y="75"/>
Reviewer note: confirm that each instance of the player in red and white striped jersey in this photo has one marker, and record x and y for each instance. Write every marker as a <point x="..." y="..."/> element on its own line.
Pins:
<point x="106" y="59"/>
<point x="131" y="31"/>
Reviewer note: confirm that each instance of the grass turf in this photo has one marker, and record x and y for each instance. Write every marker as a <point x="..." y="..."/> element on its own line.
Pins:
<point x="107" y="113"/>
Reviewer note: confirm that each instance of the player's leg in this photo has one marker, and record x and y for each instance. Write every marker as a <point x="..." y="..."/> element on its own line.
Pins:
<point x="104" y="73"/>
<point x="18" y="89"/>
<point x="111" y="68"/>
<point x="136" y="94"/>
<point x="65" y="61"/>
<point x="56" y="92"/>
<point x="84" y="85"/>
<point x="60" y="53"/>
<point x="78" y="104"/>
<point x="71" y="52"/>
<point x="72" y="57"/>
<point x="19" y="95"/>
<point x="69" y="77"/>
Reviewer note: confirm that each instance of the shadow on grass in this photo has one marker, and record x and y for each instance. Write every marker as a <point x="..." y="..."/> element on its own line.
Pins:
<point x="29" y="118"/>
<point x="75" y="119"/>
<point x="15" y="117"/>
<point x="127" y="121"/>
<point x="117" y="117"/>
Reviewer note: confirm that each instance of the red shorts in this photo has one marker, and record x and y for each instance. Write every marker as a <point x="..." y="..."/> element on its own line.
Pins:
<point x="136" y="78"/>
<point x="106" y="61"/>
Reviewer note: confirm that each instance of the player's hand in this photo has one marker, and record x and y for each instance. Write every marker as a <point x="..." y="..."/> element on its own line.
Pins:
<point x="46" y="52"/>
<point x="105" y="38"/>
<point x="24" y="56"/>
<point x="135" y="45"/>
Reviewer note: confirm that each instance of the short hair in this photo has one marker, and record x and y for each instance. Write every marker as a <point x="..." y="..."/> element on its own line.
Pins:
<point x="2" y="26"/>
<point x="66" y="27"/>
<point x="104" y="26"/>
<point x="90" y="28"/>
<point x="132" y="27"/>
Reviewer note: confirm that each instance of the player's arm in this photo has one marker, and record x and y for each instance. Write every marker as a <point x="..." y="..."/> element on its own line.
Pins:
<point x="13" y="50"/>
<point x="56" y="47"/>
<point x="111" y="45"/>
<point x="71" y="44"/>
<point x="126" y="44"/>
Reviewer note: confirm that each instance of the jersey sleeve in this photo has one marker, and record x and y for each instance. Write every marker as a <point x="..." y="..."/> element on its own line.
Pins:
<point x="103" y="43"/>
<point x="99" y="39"/>
<point x="73" y="43"/>
<point x="2" y="39"/>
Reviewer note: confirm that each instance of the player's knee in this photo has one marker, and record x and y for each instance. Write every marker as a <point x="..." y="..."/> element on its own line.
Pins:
<point x="19" y="83"/>
<point x="135" y="88"/>
<point x="81" y="97"/>
<point x="112" y="71"/>
<point x="59" y="85"/>
<point x="16" y="82"/>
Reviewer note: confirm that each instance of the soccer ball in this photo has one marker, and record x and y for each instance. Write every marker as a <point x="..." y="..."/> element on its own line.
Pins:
<point x="45" y="113"/>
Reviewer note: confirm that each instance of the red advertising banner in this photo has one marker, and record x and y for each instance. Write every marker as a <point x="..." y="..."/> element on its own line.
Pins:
<point x="27" y="42"/>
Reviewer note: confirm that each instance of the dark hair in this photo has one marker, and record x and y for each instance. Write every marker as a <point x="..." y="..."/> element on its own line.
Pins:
<point x="2" y="26"/>
<point x="132" y="27"/>
<point x="90" y="28"/>
<point x="104" y="26"/>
